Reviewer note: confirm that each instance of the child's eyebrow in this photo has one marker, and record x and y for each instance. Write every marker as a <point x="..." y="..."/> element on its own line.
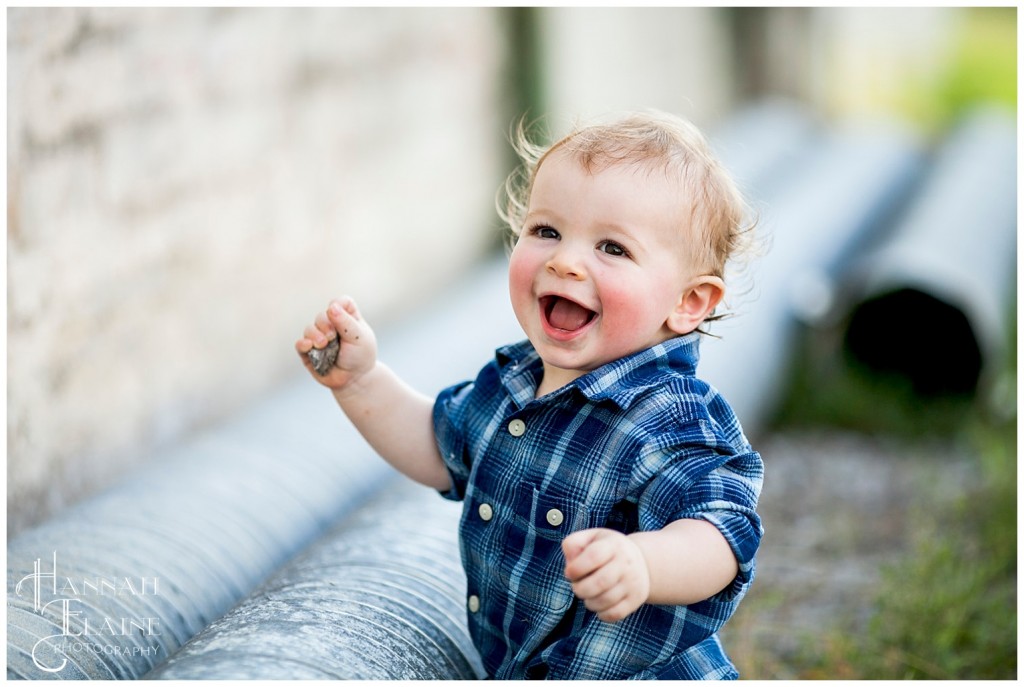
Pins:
<point x="543" y="212"/>
<point x="621" y="230"/>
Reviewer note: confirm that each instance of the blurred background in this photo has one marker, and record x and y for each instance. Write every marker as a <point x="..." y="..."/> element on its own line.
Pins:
<point x="187" y="187"/>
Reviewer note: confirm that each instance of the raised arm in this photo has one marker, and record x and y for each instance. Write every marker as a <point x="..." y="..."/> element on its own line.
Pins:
<point x="394" y="419"/>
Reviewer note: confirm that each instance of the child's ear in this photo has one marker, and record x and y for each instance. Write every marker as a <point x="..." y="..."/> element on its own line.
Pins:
<point x="697" y="302"/>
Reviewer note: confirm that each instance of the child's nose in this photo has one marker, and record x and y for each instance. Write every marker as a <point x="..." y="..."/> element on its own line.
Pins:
<point x="567" y="264"/>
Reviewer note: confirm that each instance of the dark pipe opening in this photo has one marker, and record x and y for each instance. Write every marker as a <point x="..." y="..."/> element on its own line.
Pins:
<point x="917" y="336"/>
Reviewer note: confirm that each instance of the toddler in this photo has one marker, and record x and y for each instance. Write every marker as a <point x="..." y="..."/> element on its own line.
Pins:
<point x="609" y="524"/>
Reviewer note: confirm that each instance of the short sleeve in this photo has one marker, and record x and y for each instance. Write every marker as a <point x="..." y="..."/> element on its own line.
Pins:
<point x="449" y="431"/>
<point x="705" y="481"/>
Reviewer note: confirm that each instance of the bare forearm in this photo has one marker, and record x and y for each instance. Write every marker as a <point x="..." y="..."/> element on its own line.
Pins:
<point x="397" y="422"/>
<point x="688" y="561"/>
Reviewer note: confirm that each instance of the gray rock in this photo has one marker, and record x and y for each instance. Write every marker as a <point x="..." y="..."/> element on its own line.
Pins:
<point x="323" y="358"/>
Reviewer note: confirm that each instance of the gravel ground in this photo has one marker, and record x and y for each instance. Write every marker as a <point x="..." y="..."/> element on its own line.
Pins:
<point x="837" y="507"/>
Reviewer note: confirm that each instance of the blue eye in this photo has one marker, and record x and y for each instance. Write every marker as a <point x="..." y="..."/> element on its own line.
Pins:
<point x="612" y="248"/>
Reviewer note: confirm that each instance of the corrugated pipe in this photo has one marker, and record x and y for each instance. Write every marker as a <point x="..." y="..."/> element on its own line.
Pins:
<point x="379" y="598"/>
<point x="933" y="301"/>
<point x="112" y="587"/>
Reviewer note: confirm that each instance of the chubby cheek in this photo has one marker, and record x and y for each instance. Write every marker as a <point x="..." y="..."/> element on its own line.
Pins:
<point x="630" y="316"/>
<point x="521" y="272"/>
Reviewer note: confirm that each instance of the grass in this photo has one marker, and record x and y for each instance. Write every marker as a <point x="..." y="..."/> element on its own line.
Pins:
<point x="956" y="618"/>
<point x="947" y="609"/>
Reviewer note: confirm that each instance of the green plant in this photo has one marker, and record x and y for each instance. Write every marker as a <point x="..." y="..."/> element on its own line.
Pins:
<point x="948" y="611"/>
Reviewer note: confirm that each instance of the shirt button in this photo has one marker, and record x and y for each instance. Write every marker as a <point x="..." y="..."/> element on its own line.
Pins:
<point x="486" y="512"/>
<point x="473" y="603"/>
<point x="517" y="427"/>
<point x="555" y="517"/>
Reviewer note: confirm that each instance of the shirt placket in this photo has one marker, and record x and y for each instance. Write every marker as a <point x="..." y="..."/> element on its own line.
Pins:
<point x="492" y="514"/>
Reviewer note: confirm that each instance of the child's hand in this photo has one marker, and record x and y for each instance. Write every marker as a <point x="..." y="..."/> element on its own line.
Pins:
<point x="358" y="353"/>
<point x="608" y="572"/>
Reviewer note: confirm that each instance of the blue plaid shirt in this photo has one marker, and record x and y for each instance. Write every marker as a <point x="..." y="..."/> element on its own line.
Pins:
<point x="633" y="445"/>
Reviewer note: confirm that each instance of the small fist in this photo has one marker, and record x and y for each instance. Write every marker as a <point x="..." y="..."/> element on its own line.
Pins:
<point x="608" y="572"/>
<point x="339" y="347"/>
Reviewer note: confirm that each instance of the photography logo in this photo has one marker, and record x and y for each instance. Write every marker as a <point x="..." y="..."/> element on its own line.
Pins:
<point x="72" y="602"/>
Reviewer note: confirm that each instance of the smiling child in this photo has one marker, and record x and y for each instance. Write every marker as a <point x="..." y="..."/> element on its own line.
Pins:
<point x="609" y="525"/>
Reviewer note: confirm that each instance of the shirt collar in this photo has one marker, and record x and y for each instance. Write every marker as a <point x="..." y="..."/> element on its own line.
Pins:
<point x="619" y="381"/>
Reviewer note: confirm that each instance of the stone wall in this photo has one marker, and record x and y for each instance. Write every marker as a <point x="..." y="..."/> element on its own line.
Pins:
<point x="598" y="60"/>
<point x="187" y="187"/>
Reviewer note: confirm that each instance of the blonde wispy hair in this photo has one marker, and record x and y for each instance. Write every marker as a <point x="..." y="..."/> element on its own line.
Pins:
<point x="719" y="217"/>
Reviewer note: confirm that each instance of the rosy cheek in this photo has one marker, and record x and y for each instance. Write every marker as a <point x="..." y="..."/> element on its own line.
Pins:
<point x="624" y="313"/>
<point x="521" y="271"/>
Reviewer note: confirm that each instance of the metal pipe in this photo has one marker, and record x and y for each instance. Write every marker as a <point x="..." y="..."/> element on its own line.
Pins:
<point x="846" y="186"/>
<point x="380" y="597"/>
<point x="943" y="282"/>
<point x="112" y="587"/>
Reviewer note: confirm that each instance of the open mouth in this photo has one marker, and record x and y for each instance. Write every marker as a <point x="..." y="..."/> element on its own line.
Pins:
<point x="564" y="314"/>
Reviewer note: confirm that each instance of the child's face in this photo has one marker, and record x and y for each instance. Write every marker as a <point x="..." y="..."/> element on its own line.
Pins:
<point x="600" y="264"/>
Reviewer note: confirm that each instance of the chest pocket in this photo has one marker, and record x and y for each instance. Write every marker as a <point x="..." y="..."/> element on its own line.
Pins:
<point x="531" y="566"/>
